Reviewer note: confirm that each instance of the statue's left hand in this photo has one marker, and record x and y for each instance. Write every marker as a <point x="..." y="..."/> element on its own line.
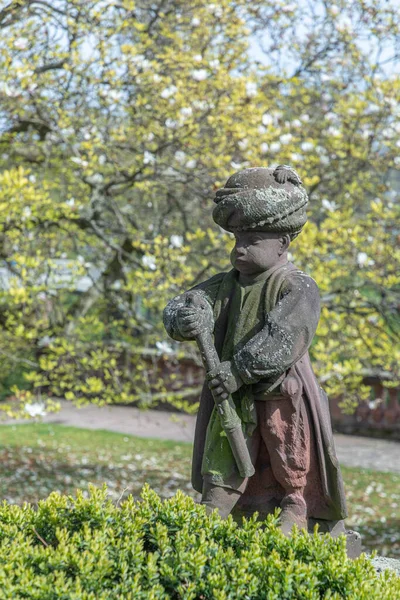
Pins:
<point x="223" y="380"/>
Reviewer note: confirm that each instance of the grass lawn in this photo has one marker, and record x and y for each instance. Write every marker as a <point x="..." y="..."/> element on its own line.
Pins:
<point x="37" y="459"/>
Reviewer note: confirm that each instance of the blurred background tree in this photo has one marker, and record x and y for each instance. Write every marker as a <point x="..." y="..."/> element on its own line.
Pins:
<point x="119" y="119"/>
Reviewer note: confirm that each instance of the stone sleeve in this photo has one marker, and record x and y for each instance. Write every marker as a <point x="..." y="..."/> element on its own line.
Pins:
<point x="287" y="334"/>
<point x="207" y="289"/>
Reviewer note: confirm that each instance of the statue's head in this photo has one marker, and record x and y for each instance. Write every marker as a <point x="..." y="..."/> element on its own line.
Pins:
<point x="265" y="208"/>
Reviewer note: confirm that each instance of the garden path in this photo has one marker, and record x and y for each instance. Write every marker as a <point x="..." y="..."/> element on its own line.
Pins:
<point x="352" y="451"/>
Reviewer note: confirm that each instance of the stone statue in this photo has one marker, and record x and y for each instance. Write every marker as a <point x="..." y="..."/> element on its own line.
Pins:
<point x="263" y="433"/>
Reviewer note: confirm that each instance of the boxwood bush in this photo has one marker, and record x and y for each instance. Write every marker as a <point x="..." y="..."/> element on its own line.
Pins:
<point x="89" y="548"/>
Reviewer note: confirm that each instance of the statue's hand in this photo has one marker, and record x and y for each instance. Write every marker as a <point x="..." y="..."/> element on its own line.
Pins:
<point x="223" y="380"/>
<point x="194" y="317"/>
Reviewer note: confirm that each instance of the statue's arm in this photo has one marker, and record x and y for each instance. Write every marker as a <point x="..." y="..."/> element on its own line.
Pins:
<point x="208" y="290"/>
<point x="287" y="334"/>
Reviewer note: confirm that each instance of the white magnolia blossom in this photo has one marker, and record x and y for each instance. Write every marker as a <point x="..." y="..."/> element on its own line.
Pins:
<point x="214" y="64"/>
<point x="329" y="205"/>
<point x="236" y="165"/>
<point x="180" y="156"/>
<point x="251" y="89"/>
<point x="115" y="95"/>
<point x="333" y="131"/>
<point x="171" y="124"/>
<point x="46" y="340"/>
<point x="21" y="43"/>
<point x="176" y="241"/>
<point x="267" y="119"/>
<point x="286" y="138"/>
<point x="95" y="178"/>
<point x="373" y="108"/>
<point x="169" y="91"/>
<point x="141" y="61"/>
<point x="305" y="118"/>
<point x="149" y="158"/>
<point x="200" y="104"/>
<point x="334" y="10"/>
<point x="289" y="7"/>
<point x="218" y="11"/>
<point x="372" y="404"/>
<point x="35" y="409"/>
<point x="363" y="260"/>
<point x="199" y="74"/>
<point x="243" y="144"/>
<point x="70" y="202"/>
<point x="79" y="161"/>
<point x="197" y="57"/>
<point x="264" y="147"/>
<point x="9" y="90"/>
<point x="186" y="111"/>
<point x="195" y="22"/>
<point x="67" y="131"/>
<point x="373" y="319"/>
<point x="295" y="157"/>
<point x="26" y="212"/>
<point x="296" y="123"/>
<point x="344" y="24"/>
<point x="149" y="261"/>
<point x="367" y="132"/>
<point x="191" y="164"/>
<point x="388" y="133"/>
<point x="139" y="58"/>
<point x="164" y="347"/>
<point x="275" y="147"/>
<point x="307" y="146"/>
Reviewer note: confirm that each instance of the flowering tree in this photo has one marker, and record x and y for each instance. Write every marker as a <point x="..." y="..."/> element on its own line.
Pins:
<point x="118" y="119"/>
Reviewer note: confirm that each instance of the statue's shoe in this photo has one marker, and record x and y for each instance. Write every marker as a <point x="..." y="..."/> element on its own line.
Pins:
<point x="288" y="519"/>
<point x="294" y="512"/>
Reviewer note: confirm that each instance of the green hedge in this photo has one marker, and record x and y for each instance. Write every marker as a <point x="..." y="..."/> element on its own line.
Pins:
<point x="88" y="548"/>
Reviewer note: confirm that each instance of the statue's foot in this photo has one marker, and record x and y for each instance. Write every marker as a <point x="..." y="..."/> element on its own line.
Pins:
<point x="288" y="519"/>
<point x="294" y="512"/>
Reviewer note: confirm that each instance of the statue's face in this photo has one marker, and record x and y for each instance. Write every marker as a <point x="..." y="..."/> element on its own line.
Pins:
<point x="257" y="251"/>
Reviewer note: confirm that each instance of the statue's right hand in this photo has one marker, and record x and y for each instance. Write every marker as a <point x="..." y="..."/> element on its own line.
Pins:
<point x="189" y="322"/>
<point x="194" y="317"/>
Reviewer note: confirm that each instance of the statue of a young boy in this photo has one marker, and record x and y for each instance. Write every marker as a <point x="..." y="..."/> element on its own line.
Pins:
<point x="264" y="314"/>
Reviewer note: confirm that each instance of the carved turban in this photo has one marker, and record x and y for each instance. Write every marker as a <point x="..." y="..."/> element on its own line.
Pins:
<point x="263" y="199"/>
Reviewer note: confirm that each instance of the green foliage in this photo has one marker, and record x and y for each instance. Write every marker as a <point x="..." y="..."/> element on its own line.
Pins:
<point x="89" y="548"/>
<point x="119" y="119"/>
<point x="39" y="458"/>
